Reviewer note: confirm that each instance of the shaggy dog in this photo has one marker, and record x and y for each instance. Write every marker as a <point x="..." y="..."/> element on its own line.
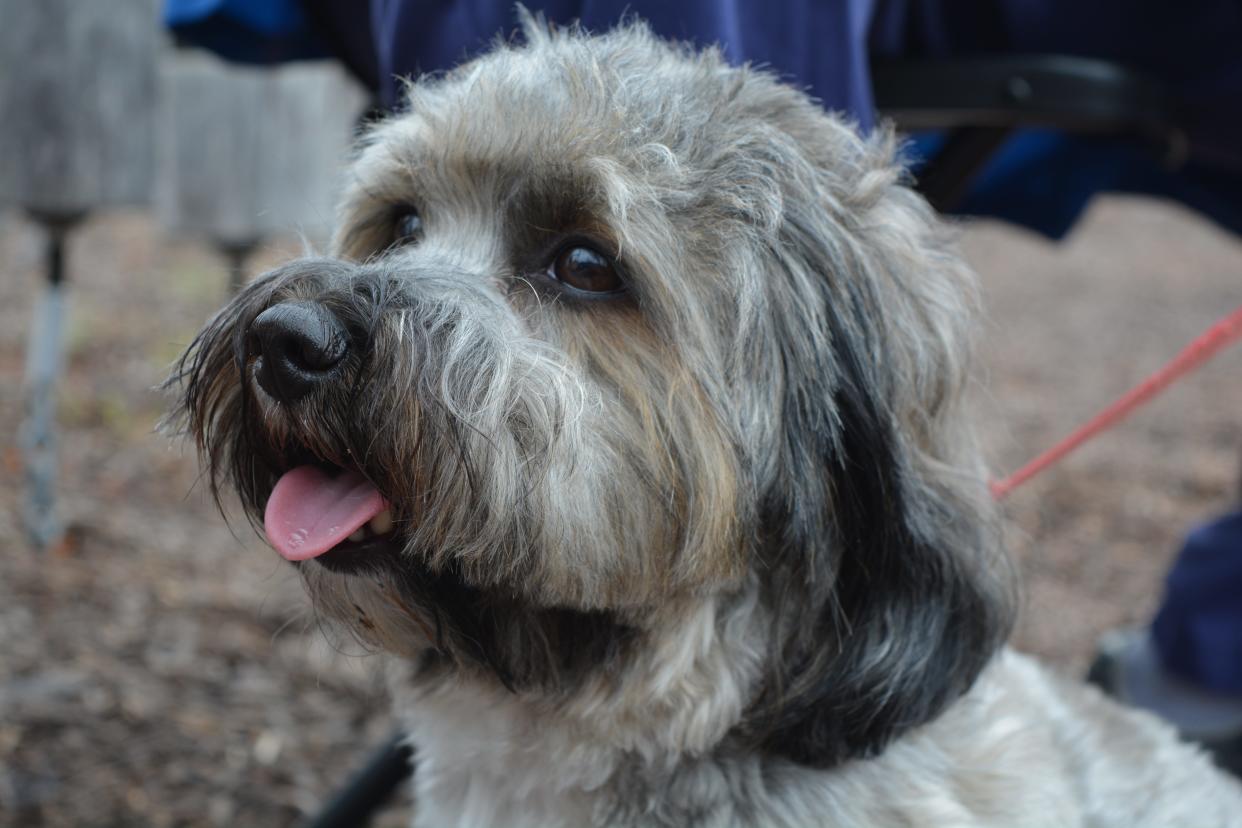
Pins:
<point x="628" y="415"/>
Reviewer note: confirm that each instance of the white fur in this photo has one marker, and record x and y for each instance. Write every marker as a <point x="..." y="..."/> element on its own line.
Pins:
<point x="1023" y="749"/>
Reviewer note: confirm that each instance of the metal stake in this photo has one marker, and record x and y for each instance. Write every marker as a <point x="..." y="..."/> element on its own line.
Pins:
<point x="44" y="362"/>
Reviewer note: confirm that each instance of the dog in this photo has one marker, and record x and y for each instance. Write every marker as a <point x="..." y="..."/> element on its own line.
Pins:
<point x="627" y="416"/>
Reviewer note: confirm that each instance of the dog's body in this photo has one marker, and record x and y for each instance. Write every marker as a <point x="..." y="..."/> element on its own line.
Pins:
<point x="1023" y="749"/>
<point x="645" y="375"/>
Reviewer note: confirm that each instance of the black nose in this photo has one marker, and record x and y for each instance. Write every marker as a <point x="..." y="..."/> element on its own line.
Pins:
<point x="298" y="346"/>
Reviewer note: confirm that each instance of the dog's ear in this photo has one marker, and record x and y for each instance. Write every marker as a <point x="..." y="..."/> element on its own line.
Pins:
<point x="888" y="584"/>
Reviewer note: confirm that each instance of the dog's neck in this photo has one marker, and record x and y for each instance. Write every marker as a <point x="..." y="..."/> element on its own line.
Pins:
<point x="487" y="756"/>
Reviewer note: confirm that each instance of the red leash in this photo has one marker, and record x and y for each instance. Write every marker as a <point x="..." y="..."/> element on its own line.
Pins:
<point x="1206" y="346"/>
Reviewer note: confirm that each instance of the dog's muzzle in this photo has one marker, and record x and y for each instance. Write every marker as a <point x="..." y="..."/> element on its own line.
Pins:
<point x="295" y="348"/>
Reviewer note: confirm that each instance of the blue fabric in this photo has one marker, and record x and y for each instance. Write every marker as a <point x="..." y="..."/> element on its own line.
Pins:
<point x="268" y="18"/>
<point x="246" y="31"/>
<point x="1069" y="170"/>
<point x="1044" y="180"/>
<point x="1192" y="46"/>
<point x="819" y="46"/>
<point x="1198" y="630"/>
<point x="823" y="46"/>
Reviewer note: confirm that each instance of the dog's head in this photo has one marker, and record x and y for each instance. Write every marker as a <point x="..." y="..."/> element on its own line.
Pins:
<point x="628" y="363"/>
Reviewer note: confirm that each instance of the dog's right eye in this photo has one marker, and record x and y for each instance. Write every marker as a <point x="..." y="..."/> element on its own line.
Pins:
<point x="409" y="227"/>
<point x="586" y="270"/>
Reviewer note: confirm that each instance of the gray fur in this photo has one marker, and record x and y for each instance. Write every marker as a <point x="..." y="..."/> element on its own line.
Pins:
<point x="715" y="552"/>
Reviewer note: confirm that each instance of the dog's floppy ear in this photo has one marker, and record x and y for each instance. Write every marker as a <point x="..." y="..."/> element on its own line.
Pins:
<point x="888" y="585"/>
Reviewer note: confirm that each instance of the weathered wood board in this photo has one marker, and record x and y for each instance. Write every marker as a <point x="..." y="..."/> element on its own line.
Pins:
<point x="77" y="103"/>
<point x="246" y="152"/>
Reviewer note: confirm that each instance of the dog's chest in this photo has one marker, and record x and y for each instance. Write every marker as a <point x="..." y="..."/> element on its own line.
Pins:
<point x="483" y="759"/>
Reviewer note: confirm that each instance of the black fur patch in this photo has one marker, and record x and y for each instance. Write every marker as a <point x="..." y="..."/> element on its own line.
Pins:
<point x="882" y="623"/>
<point x="525" y="647"/>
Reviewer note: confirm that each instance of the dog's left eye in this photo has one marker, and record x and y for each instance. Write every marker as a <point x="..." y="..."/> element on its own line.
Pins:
<point x="409" y="227"/>
<point x="587" y="270"/>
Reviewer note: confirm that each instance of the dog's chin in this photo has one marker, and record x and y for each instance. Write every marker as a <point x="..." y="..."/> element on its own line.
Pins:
<point x="385" y="592"/>
<point x="369" y="556"/>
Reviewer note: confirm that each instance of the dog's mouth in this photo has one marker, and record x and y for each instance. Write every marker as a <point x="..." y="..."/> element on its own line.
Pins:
<point x="333" y="516"/>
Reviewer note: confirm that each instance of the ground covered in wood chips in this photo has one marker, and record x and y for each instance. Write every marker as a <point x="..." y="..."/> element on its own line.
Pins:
<point x="160" y="669"/>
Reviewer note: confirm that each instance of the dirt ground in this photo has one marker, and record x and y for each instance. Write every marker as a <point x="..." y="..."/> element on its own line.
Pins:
<point x="162" y="670"/>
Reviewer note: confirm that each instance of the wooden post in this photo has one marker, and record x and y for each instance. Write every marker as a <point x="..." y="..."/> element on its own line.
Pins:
<point x="77" y="93"/>
<point x="247" y="152"/>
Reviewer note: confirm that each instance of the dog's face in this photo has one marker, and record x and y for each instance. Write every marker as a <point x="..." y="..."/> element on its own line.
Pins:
<point x="618" y="338"/>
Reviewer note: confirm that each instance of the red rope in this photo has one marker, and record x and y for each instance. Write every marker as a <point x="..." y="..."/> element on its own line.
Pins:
<point x="1206" y="346"/>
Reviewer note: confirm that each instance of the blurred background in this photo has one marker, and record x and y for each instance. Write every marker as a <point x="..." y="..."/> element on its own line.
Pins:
<point x="158" y="667"/>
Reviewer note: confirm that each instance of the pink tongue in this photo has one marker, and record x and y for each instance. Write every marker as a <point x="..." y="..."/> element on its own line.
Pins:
<point x="310" y="512"/>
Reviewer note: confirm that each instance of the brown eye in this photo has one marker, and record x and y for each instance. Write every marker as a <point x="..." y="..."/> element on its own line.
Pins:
<point x="586" y="270"/>
<point x="409" y="227"/>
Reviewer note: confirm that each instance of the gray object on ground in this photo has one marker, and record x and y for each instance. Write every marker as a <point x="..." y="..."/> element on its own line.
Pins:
<point x="1128" y="668"/>
<point x="38" y="433"/>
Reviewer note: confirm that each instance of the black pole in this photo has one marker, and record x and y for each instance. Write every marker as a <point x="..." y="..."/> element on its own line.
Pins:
<point x="56" y="255"/>
<point x="237" y="253"/>
<point x="355" y="804"/>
